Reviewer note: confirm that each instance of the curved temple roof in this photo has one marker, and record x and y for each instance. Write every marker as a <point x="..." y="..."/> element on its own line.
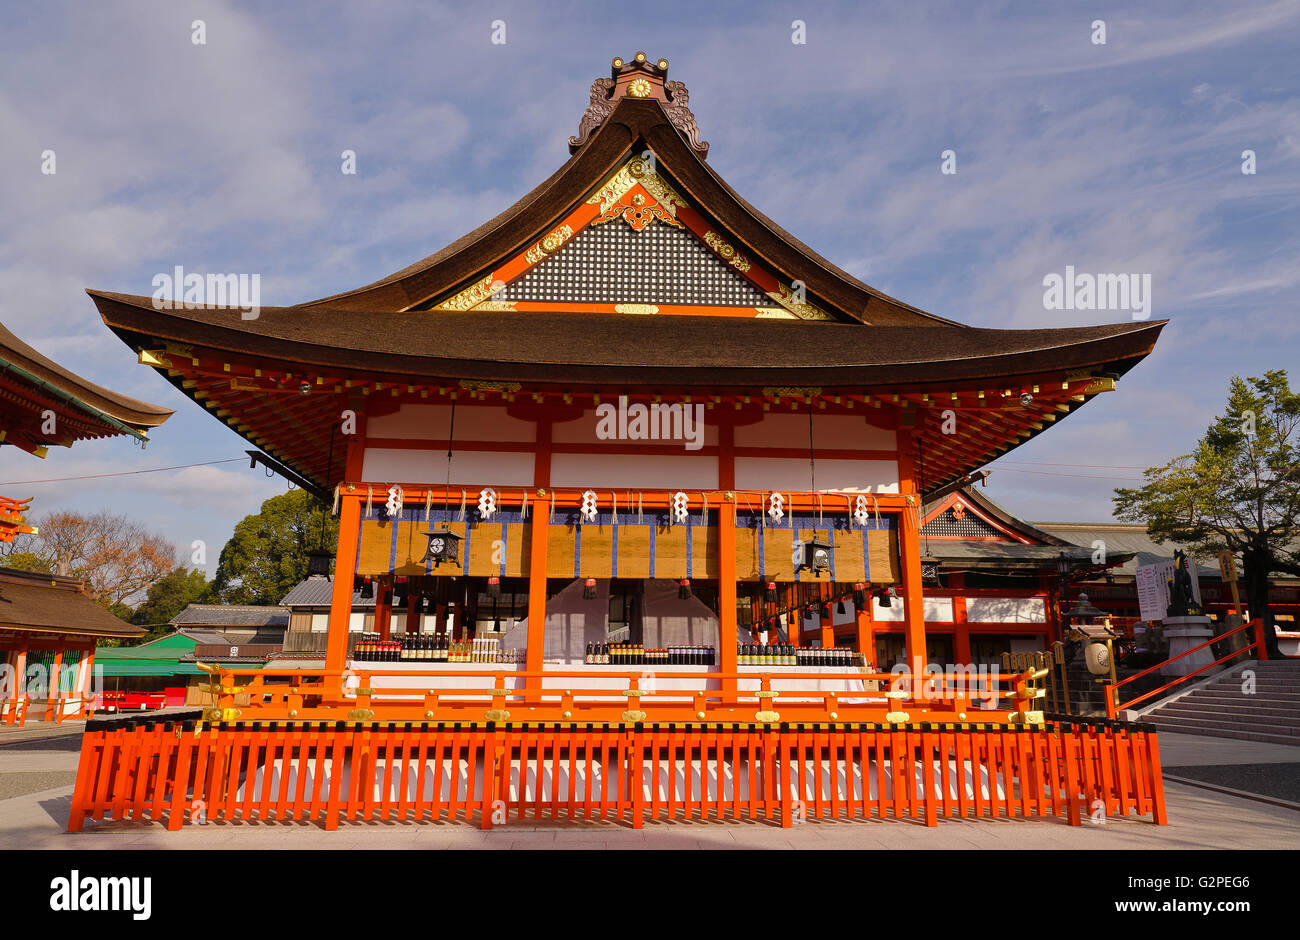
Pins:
<point x="31" y="382"/>
<point x="459" y="315"/>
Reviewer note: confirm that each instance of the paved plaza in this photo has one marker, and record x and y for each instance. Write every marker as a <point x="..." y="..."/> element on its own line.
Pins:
<point x="38" y="765"/>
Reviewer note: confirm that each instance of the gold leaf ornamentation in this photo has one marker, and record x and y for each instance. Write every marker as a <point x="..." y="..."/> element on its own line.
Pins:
<point x="474" y="294"/>
<point x="800" y="308"/>
<point x="726" y="251"/>
<point x="636" y="308"/>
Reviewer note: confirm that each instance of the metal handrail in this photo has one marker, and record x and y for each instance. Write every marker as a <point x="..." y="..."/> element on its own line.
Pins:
<point x="1112" y="708"/>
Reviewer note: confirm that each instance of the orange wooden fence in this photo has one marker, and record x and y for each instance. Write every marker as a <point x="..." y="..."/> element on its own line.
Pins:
<point x="496" y="774"/>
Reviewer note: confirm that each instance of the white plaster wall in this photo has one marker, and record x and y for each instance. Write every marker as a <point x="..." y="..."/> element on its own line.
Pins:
<point x="468" y="468"/>
<point x="619" y="471"/>
<point x="414" y="421"/>
<point x="582" y="430"/>
<point x="937" y="610"/>
<point x="849" y="432"/>
<point x="1005" y="610"/>
<point x="792" y="473"/>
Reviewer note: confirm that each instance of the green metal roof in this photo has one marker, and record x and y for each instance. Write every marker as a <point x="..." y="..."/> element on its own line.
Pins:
<point x="160" y="658"/>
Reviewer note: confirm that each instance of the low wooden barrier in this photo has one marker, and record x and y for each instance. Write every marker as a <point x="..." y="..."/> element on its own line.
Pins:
<point x="181" y="771"/>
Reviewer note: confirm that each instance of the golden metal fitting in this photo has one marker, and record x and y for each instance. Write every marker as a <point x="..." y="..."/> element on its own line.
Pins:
<point x="835" y="715"/>
<point x="700" y="715"/>
<point x="293" y="713"/>
<point x="897" y="718"/>
<point x="633" y="716"/>
<point x="765" y="694"/>
<point x="428" y="714"/>
<point x="566" y="715"/>
<point x="499" y="692"/>
<point x="496" y="714"/>
<point x="766" y="716"/>
<point x="360" y="714"/>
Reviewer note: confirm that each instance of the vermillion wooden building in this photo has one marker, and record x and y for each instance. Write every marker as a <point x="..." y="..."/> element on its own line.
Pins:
<point x="650" y="416"/>
<point x="632" y="376"/>
<point x="49" y="624"/>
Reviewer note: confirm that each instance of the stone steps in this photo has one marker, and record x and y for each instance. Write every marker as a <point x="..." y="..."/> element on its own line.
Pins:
<point x="1271" y="713"/>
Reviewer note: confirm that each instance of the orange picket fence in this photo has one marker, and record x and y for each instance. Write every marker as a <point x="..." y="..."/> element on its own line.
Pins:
<point x="186" y="772"/>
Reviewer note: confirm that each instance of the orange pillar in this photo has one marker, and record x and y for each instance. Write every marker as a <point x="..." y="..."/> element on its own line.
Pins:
<point x="727" y="591"/>
<point x="345" y="569"/>
<point x="383" y="610"/>
<point x="539" y="532"/>
<point x="909" y="550"/>
<point x="52" y="693"/>
<point x="827" y="623"/>
<point x="862" y="620"/>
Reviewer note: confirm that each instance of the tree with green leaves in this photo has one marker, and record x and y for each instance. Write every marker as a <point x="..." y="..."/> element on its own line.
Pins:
<point x="1238" y="490"/>
<point x="167" y="597"/>
<point x="267" y="555"/>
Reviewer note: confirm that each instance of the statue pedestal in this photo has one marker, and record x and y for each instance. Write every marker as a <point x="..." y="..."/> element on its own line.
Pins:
<point x="1183" y="633"/>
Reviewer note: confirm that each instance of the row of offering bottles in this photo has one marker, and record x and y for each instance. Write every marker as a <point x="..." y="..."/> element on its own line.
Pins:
<point x="634" y="654"/>
<point x="439" y="648"/>
<point x="785" y="654"/>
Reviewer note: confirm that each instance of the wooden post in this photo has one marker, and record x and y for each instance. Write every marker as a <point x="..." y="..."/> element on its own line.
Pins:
<point x="20" y="685"/>
<point x="54" y="708"/>
<point x="345" y="569"/>
<point x="866" y="640"/>
<point x="726" y="592"/>
<point x="383" y="610"/>
<point x="85" y="677"/>
<point x="539" y="533"/>
<point x="827" y="623"/>
<point x="909" y="550"/>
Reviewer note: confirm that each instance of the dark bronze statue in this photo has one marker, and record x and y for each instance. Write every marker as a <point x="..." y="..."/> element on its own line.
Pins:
<point x="1182" y="601"/>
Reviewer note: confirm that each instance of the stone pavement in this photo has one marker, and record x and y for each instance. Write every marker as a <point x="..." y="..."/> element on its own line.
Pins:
<point x="1198" y="818"/>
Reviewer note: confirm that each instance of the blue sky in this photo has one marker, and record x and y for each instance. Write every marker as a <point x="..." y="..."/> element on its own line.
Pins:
<point x="1123" y="157"/>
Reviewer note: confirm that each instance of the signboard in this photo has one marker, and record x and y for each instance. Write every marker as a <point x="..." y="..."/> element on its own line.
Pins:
<point x="1227" y="567"/>
<point x="1153" y="588"/>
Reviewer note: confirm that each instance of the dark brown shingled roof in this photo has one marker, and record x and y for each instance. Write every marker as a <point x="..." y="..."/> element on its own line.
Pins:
<point x="634" y="124"/>
<point x="48" y="603"/>
<point x="93" y="398"/>
<point x="542" y="347"/>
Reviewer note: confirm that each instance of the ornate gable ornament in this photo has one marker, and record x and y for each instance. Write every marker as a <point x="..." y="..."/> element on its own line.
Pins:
<point x="639" y="78"/>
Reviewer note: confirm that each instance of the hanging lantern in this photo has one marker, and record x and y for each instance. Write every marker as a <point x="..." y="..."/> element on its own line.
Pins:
<point x="860" y="596"/>
<point x="318" y="563"/>
<point x="816" y="556"/>
<point x="494" y="587"/>
<point x="367" y="589"/>
<point x="444" y="546"/>
<point x="826" y="610"/>
<point x="399" y="592"/>
<point x="884" y="597"/>
<point x="589" y="589"/>
<point x="839" y="606"/>
<point x="769" y="592"/>
<point x="684" y="589"/>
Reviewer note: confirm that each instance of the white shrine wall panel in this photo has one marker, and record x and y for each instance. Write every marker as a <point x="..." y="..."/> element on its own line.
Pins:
<point x="833" y="475"/>
<point x="617" y="471"/>
<point x="1005" y="610"/>
<point x="413" y="421"/>
<point x="468" y="468"/>
<point x="831" y="432"/>
<point x="583" y="429"/>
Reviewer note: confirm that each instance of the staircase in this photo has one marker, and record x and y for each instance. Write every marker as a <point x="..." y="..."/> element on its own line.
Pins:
<point x="1221" y="710"/>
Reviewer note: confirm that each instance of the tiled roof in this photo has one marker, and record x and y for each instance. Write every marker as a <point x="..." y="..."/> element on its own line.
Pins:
<point x="318" y="592"/>
<point x="231" y="615"/>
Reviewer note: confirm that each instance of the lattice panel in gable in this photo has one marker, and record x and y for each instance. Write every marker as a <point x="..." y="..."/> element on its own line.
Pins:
<point x="615" y="264"/>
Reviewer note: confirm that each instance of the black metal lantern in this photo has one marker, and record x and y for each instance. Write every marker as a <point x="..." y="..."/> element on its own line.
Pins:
<point x="860" y="596"/>
<point x="444" y="547"/>
<point x="318" y="563"/>
<point x="1063" y="565"/>
<point x="883" y="595"/>
<point x="816" y="556"/>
